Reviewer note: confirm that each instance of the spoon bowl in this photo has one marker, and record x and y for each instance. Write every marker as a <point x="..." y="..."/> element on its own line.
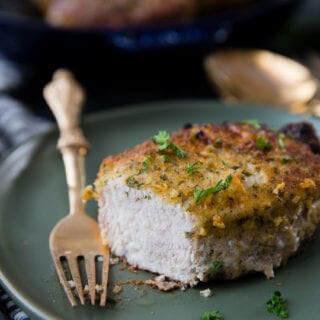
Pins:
<point x="260" y="76"/>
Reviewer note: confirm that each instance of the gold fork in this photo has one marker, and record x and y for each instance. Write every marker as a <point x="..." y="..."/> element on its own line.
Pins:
<point x="77" y="236"/>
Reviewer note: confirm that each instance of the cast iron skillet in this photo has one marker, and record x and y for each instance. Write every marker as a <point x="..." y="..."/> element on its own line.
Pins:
<point x="29" y="38"/>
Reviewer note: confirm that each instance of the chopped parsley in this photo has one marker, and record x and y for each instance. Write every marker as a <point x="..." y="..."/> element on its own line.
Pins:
<point x="216" y="267"/>
<point x="263" y="144"/>
<point x="281" y="140"/>
<point x="212" y="315"/>
<point x="287" y="159"/>
<point x="192" y="167"/>
<point x="164" y="158"/>
<point x="146" y="162"/>
<point x="224" y="163"/>
<point x="221" y="185"/>
<point x="275" y="305"/>
<point x="163" y="140"/>
<point x="253" y="122"/>
<point x="217" y="143"/>
<point x="180" y="153"/>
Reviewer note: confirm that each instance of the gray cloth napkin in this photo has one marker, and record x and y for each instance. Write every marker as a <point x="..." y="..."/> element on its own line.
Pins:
<point x="9" y="310"/>
<point x="17" y="125"/>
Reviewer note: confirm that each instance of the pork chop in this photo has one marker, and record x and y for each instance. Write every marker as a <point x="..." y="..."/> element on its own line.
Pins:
<point x="212" y="201"/>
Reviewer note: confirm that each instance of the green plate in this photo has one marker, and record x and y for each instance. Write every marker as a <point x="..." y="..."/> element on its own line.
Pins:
<point x="33" y="197"/>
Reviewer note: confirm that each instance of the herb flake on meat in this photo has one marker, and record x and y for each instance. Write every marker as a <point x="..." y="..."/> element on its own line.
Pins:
<point x="253" y="122"/>
<point x="163" y="140"/>
<point x="191" y="168"/>
<point x="281" y="140"/>
<point x="221" y="185"/>
<point x="263" y="144"/>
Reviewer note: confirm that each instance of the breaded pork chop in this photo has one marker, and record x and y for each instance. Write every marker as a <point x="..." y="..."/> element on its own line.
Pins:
<point x="212" y="201"/>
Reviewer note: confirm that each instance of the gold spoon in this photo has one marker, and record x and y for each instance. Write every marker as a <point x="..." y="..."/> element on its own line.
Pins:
<point x="260" y="76"/>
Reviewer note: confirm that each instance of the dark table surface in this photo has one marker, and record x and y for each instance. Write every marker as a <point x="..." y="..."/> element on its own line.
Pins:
<point x="128" y="79"/>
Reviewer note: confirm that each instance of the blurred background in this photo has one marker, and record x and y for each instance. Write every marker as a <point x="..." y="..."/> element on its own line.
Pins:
<point x="129" y="56"/>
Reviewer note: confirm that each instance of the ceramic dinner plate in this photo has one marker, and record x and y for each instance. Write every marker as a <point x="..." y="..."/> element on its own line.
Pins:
<point x="33" y="197"/>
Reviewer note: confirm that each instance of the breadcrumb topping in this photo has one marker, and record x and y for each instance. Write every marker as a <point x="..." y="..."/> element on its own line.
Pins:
<point x="265" y="175"/>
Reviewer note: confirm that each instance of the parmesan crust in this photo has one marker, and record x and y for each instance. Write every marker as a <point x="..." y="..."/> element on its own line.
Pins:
<point x="255" y="223"/>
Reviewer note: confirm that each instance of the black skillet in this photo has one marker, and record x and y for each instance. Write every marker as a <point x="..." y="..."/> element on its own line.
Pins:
<point x="25" y="37"/>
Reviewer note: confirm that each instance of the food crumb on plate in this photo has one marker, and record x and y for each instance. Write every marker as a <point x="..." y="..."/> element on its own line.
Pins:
<point x="133" y="269"/>
<point x="117" y="289"/>
<point x="114" y="260"/>
<point x="161" y="283"/>
<point x="86" y="290"/>
<point x="99" y="288"/>
<point x="206" y="293"/>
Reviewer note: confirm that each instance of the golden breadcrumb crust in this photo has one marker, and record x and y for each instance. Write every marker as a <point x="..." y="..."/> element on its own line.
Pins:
<point x="273" y="175"/>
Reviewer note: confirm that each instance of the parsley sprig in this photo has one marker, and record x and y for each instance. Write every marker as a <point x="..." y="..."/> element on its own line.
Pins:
<point x="281" y="137"/>
<point x="146" y="163"/>
<point x="216" y="267"/>
<point x="163" y="140"/>
<point x="263" y="144"/>
<point x="275" y="305"/>
<point x="287" y="159"/>
<point x="221" y="185"/>
<point x="212" y="315"/>
<point x="192" y="167"/>
<point x="164" y="158"/>
<point x="253" y="122"/>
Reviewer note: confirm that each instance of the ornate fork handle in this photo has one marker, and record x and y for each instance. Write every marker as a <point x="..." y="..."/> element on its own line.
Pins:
<point x="65" y="98"/>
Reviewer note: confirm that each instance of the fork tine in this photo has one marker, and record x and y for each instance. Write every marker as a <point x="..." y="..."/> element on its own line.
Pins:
<point x="91" y="276"/>
<point x="75" y="273"/>
<point x="105" y="271"/>
<point x="63" y="280"/>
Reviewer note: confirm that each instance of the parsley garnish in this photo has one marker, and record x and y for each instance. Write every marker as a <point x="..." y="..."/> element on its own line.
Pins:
<point x="286" y="159"/>
<point x="253" y="122"/>
<point x="224" y="163"/>
<point x="164" y="158"/>
<point x="221" y="185"/>
<point x="192" y="167"/>
<point x="163" y="140"/>
<point x="180" y="153"/>
<point x="215" y="267"/>
<point x="275" y="305"/>
<point x="263" y="144"/>
<point x="281" y="140"/>
<point x="212" y="315"/>
<point x="146" y="163"/>
<point x="218" y="143"/>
